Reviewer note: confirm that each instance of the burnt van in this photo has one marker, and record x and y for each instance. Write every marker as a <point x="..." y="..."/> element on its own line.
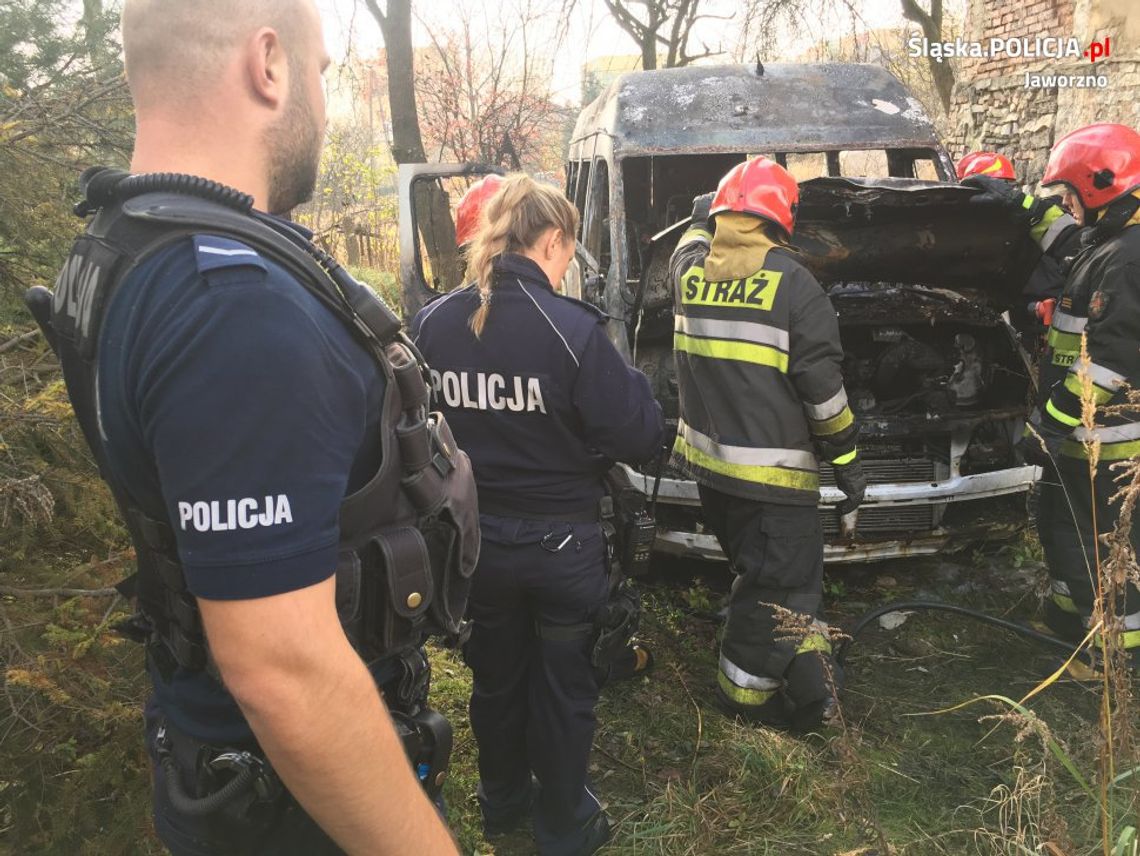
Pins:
<point x="920" y="279"/>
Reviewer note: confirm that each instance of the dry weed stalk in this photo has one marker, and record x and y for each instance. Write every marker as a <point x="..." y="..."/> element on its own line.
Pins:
<point x="794" y="628"/>
<point x="1114" y="570"/>
<point x="1026" y="809"/>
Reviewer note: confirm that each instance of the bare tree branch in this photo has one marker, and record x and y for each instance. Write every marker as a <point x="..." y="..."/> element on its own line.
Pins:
<point x="931" y="24"/>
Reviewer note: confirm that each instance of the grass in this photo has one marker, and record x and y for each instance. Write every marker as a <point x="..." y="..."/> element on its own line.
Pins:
<point x="678" y="777"/>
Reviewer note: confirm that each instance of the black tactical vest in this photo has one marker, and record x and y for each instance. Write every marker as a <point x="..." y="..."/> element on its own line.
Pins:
<point x="409" y="539"/>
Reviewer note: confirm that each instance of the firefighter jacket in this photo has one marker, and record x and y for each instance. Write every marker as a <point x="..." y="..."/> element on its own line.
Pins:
<point x="1101" y="305"/>
<point x="759" y="376"/>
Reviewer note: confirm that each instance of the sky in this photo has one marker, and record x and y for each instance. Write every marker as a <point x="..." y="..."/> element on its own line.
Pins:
<point x="592" y="34"/>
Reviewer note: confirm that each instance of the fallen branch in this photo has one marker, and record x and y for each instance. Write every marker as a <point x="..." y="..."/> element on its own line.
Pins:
<point x="7" y="591"/>
<point x="23" y="337"/>
<point x="614" y="757"/>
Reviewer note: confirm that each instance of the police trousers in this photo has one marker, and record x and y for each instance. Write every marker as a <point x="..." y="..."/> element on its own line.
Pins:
<point x="532" y="704"/>
<point x="776" y="552"/>
<point x="1065" y="513"/>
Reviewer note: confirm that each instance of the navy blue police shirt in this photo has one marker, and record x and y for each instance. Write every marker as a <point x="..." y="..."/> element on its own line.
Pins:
<point x="542" y="403"/>
<point x="234" y="402"/>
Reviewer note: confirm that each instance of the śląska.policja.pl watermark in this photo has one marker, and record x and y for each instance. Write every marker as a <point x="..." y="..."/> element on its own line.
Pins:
<point x="1041" y="47"/>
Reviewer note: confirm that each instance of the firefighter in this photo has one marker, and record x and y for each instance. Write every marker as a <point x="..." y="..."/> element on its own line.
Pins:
<point x="469" y="212"/>
<point x="544" y="404"/>
<point x="1097" y="169"/>
<point x="986" y="163"/>
<point x="1042" y="254"/>
<point x="761" y="399"/>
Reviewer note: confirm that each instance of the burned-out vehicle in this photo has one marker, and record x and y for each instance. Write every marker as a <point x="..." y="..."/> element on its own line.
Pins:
<point x="919" y="278"/>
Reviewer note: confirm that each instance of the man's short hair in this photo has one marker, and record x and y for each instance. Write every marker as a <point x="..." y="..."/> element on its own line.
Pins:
<point x="176" y="49"/>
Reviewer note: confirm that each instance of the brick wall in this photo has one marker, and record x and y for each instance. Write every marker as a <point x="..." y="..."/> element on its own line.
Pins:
<point x="994" y="110"/>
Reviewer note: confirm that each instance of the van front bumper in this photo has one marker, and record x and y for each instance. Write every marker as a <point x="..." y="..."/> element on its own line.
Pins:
<point x="849" y="544"/>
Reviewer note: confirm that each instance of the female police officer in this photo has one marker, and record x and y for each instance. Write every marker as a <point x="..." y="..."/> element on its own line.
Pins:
<point x="543" y="403"/>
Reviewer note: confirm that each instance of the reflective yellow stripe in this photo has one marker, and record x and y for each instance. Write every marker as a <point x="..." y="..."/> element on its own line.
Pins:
<point x="814" y="642"/>
<point x="776" y="476"/>
<point x="1052" y="213"/>
<point x="723" y="349"/>
<point x="740" y="695"/>
<point x="1100" y="395"/>
<point x="1060" y="415"/>
<point x="1026" y="201"/>
<point x="845" y="459"/>
<point x="1063" y="341"/>
<point x="1064" y="603"/>
<point x="1108" y="451"/>
<point x="694" y="233"/>
<point x="833" y="425"/>
<point x="1128" y="639"/>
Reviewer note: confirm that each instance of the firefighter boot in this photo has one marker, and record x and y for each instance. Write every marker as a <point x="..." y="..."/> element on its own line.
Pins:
<point x="813" y="681"/>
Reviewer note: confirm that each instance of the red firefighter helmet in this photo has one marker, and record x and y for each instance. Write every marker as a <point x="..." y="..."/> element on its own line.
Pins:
<point x="1099" y="163"/>
<point x="471" y="207"/>
<point x="986" y="163"/>
<point x="760" y="187"/>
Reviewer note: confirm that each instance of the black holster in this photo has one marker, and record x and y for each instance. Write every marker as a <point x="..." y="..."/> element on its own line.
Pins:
<point x="616" y="624"/>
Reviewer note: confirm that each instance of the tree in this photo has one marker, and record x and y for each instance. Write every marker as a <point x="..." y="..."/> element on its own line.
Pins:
<point x="63" y="106"/>
<point x="931" y="23"/>
<point x="666" y="24"/>
<point x="484" y="96"/>
<point x="842" y="34"/>
<point x="436" y="228"/>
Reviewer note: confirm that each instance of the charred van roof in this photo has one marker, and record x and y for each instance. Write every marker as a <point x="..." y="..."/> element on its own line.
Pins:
<point x="790" y="107"/>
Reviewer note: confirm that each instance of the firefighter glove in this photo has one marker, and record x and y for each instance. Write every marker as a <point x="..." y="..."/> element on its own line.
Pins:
<point x="1041" y="446"/>
<point x="701" y="206"/>
<point x="1005" y="194"/>
<point x="849" y="478"/>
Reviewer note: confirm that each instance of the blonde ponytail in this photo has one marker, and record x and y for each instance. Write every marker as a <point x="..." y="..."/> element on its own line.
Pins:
<point x="512" y="220"/>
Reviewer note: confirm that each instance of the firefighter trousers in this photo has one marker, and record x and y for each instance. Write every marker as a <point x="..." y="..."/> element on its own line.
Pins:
<point x="783" y="676"/>
<point x="1068" y="503"/>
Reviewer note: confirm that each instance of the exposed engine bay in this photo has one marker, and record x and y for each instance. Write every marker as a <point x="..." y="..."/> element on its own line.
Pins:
<point x="910" y="352"/>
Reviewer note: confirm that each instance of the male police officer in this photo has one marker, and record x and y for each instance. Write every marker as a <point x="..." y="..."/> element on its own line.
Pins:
<point x="235" y="412"/>
<point x="761" y="392"/>
<point x="1098" y="170"/>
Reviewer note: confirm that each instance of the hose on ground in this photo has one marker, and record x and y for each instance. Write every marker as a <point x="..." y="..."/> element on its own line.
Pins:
<point x="915" y="605"/>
